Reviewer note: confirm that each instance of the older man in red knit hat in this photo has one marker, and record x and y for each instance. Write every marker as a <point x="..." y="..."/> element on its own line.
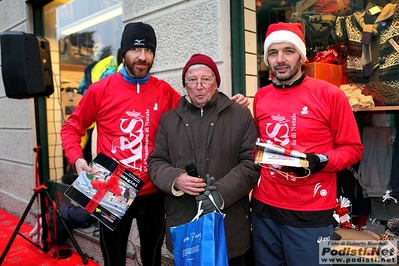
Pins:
<point x="293" y="206"/>
<point x="126" y="107"/>
<point x="218" y="136"/>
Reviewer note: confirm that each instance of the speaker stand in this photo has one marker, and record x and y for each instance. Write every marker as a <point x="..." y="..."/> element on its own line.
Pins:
<point x="42" y="191"/>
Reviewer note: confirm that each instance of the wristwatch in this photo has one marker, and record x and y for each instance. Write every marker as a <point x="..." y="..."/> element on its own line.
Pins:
<point x="323" y="158"/>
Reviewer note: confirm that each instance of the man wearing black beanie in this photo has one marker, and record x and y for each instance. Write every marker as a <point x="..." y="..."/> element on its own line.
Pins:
<point x="138" y="35"/>
<point x="127" y="107"/>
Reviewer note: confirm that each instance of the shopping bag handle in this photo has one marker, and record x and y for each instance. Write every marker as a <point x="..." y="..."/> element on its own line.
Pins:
<point x="200" y="211"/>
<point x="213" y="201"/>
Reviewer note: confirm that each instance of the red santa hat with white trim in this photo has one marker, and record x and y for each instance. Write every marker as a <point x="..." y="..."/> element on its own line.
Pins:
<point x="285" y="32"/>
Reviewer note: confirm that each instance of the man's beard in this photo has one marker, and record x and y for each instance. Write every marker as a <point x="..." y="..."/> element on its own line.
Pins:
<point x="287" y="77"/>
<point x="138" y="68"/>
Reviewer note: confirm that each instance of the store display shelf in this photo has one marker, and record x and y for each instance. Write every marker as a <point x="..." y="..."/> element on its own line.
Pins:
<point x="377" y="108"/>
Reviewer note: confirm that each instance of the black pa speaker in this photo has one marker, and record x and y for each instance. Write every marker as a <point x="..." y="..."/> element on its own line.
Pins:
<point x="26" y="65"/>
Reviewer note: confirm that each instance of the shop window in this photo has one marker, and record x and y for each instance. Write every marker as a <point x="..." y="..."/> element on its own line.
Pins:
<point x="316" y="16"/>
<point x="81" y="33"/>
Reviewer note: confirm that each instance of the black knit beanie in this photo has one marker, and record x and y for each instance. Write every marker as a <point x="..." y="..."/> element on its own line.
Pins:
<point x="140" y="35"/>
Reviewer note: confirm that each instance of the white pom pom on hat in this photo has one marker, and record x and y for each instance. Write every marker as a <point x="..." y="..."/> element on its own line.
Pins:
<point x="285" y="32"/>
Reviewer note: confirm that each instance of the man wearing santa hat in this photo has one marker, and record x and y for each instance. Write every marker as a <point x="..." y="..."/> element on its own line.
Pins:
<point x="293" y="206"/>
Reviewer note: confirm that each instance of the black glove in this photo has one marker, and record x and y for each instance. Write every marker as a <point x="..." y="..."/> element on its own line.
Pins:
<point x="316" y="163"/>
<point x="210" y="190"/>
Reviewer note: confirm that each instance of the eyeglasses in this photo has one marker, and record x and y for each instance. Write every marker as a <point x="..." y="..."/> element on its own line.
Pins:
<point x="193" y="83"/>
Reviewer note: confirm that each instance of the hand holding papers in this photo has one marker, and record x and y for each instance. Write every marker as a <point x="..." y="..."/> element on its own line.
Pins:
<point x="272" y="154"/>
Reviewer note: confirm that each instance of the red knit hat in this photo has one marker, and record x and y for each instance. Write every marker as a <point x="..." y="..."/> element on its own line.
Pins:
<point x="201" y="59"/>
<point x="285" y="32"/>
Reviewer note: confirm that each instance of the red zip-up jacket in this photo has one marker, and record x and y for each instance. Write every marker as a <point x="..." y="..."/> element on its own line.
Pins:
<point x="127" y="119"/>
<point x="312" y="117"/>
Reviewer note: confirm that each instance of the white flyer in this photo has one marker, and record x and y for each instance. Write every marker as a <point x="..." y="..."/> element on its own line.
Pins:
<point x="264" y="157"/>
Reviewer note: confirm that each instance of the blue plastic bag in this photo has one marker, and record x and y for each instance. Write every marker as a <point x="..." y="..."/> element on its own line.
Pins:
<point x="200" y="242"/>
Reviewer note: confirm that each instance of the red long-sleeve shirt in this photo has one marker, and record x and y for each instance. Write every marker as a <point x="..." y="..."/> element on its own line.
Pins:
<point x="312" y="117"/>
<point x="126" y="118"/>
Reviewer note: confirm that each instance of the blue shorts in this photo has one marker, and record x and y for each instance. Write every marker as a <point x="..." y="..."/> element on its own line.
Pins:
<point x="278" y="244"/>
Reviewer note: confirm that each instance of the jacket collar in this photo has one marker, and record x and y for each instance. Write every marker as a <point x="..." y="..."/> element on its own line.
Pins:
<point x="218" y="100"/>
<point x="295" y="83"/>
<point x="132" y="80"/>
<point x="209" y="104"/>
